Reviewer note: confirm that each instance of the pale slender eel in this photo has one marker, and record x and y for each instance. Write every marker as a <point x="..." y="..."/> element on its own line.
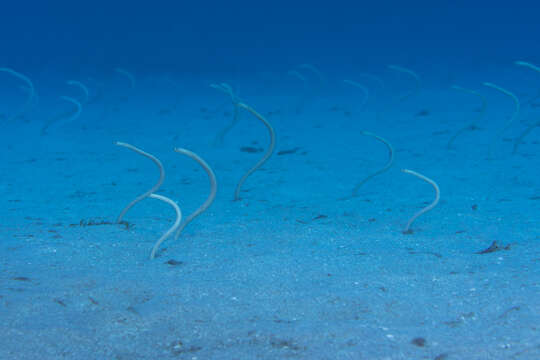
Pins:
<point x="28" y="82"/>
<point x="515" y="114"/>
<point x="78" y="110"/>
<point x="265" y="157"/>
<point x="172" y="229"/>
<point x="153" y="189"/>
<point x="380" y="171"/>
<point x="362" y="88"/>
<point x="213" y="188"/>
<point x="81" y="86"/>
<point x="411" y="73"/>
<point x="127" y="74"/>
<point x="227" y="89"/>
<point x="408" y="229"/>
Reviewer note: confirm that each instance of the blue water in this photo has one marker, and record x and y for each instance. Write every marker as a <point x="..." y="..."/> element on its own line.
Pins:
<point x="307" y="263"/>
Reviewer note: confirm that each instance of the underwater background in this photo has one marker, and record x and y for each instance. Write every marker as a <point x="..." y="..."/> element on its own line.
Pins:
<point x="377" y="180"/>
